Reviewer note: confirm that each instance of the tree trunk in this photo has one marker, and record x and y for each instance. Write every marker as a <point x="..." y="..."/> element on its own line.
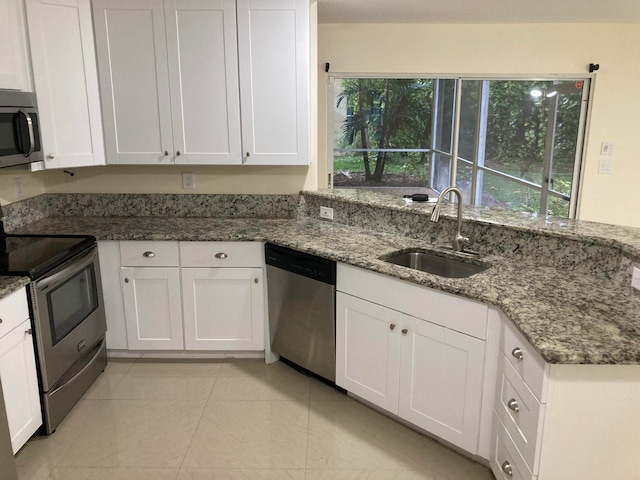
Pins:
<point x="382" y="156"/>
<point x="365" y="155"/>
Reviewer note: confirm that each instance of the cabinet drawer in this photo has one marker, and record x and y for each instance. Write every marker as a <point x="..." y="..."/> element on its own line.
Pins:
<point x="221" y="254"/>
<point x="520" y="412"/>
<point x="13" y="311"/>
<point x="149" y="254"/>
<point x="526" y="361"/>
<point x="506" y="462"/>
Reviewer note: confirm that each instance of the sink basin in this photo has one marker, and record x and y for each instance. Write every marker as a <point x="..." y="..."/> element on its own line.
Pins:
<point x="436" y="264"/>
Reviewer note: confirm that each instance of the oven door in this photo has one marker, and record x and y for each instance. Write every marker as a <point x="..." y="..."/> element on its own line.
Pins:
<point x="69" y="317"/>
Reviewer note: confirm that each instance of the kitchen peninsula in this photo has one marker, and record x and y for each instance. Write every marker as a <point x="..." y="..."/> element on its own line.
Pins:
<point x="564" y="285"/>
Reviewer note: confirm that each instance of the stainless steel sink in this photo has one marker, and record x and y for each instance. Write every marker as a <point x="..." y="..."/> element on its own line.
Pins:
<point x="436" y="264"/>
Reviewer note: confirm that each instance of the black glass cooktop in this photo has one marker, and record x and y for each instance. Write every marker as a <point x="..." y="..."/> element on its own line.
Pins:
<point x="34" y="255"/>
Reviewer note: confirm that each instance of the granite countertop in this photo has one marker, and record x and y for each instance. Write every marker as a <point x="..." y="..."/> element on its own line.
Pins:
<point x="569" y="318"/>
<point x="11" y="284"/>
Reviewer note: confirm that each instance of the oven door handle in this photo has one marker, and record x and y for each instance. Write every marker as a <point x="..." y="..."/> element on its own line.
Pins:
<point x="77" y="265"/>
<point x="82" y="370"/>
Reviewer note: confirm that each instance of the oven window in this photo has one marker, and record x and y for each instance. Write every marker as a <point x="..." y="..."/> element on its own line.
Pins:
<point x="72" y="302"/>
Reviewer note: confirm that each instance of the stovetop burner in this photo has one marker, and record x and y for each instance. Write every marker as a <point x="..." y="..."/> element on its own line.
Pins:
<point x="34" y="255"/>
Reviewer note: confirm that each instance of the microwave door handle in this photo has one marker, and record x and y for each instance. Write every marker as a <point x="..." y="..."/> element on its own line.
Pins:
<point x="67" y="272"/>
<point x="32" y="138"/>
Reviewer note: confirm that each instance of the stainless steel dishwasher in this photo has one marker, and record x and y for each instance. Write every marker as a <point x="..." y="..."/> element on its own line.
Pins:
<point x="301" y="297"/>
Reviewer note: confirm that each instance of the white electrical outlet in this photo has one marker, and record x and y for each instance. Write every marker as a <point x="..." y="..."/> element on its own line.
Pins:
<point x="605" y="165"/>
<point x="326" y="212"/>
<point x="635" y="278"/>
<point x="188" y="181"/>
<point x="17" y="183"/>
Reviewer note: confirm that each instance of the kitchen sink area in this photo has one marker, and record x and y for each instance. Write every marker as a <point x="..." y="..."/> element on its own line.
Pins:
<point x="435" y="263"/>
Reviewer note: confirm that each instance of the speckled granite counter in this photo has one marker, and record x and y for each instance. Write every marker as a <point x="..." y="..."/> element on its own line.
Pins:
<point x="11" y="284"/>
<point x="567" y="315"/>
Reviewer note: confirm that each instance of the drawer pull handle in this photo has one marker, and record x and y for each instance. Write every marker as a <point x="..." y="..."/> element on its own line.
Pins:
<point x="517" y="353"/>
<point x="221" y="255"/>
<point x="148" y="254"/>
<point x="506" y="468"/>
<point x="513" y="405"/>
<point x="404" y="331"/>
<point x="392" y="326"/>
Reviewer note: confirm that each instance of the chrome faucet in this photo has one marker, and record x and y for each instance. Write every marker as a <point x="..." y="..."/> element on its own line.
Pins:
<point x="459" y="241"/>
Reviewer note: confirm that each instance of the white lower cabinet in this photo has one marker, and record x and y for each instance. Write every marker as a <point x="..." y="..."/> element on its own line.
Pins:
<point x="441" y="374"/>
<point x="153" y="309"/>
<point x="18" y="370"/>
<point x="165" y="295"/>
<point x="223" y="308"/>
<point x="428" y="374"/>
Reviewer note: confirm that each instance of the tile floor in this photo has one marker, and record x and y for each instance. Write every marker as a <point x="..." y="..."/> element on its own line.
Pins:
<point x="231" y="420"/>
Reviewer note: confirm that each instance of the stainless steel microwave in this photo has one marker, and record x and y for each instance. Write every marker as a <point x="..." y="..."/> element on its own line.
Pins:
<point x="19" y="129"/>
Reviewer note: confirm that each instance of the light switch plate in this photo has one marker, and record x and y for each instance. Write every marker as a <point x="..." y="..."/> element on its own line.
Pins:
<point x="606" y="148"/>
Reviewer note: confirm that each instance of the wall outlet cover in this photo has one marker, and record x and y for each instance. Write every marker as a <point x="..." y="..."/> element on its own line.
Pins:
<point x="326" y="212"/>
<point x="635" y="278"/>
<point x="188" y="181"/>
<point x="605" y="165"/>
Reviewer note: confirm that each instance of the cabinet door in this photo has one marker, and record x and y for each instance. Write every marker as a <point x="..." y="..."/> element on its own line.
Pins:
<point x="223" y="308"/>
<point x="441" y="382"/>
<point x="152" y="308"/>
<point x="203" y="74"/>
<point x="14" y="70"/>
<point x="20" y="384"/>
<point x="134" y="80"/>
<point x="66" y="81"/>
<point x="368" y="350"/>
<point x="273" y="45"/>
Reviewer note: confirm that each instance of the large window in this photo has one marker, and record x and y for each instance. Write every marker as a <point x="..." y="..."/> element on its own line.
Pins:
<point x="513" y="144"/>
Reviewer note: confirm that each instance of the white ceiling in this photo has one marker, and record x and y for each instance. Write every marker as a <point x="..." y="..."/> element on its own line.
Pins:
<point x="479" y="11"/>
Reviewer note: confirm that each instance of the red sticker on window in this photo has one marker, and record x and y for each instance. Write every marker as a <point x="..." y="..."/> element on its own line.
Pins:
<point x="579" y="84"/>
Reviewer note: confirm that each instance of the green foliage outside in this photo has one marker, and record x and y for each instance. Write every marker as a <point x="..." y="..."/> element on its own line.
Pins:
<point x="399" y="113"/>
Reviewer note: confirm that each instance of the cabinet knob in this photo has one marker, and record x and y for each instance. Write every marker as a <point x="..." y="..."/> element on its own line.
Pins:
<point x="166" y="153"/>
<point x="513" y="405"/>
<point x="392" y="326"/>
<point x="0" y="320"/>
<point x="126" y="280"/>
<point x="221" y="255"/>
<point x="51" y="156"/>
<point x="506" y="468"/>
<point x="148" y="254"/>
<point x="178" y="153"/>
<point x="405" y="331"/>
<point x="517" y="353"/>
<point x="248" y="154"/>
<point x="255" y="280"/>
<point x="28" y="331"/>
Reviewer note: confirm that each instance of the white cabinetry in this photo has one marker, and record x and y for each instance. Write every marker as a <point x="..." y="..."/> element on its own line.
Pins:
<point x="563" y="421"/>
<point x="151" y="288"/>
<point x="18" y="369"/>
<point x="14" y="60"/>
<point x="421" y="369"/>
<point x="273" y="42"/>
<point x="205" y="296"/>
<point x="66" y="82"/>
<point x="222" y="295"/>
<point x="170" y="81"/>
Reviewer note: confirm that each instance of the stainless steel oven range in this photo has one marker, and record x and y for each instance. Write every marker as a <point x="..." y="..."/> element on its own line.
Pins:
<point x="67" y="312"/>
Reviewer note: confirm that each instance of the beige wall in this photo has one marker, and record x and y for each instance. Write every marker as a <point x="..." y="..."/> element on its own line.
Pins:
<point x="516" y="49"/>
<point x="32" y="184"/>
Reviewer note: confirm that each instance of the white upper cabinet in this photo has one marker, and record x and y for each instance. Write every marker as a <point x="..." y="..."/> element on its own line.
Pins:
<point x="203" y="73"/>
<point x="14" y="61"/>
<point x="66" y="82"/>
<point x="273" y="42"/>
<point x="171" y="91"/>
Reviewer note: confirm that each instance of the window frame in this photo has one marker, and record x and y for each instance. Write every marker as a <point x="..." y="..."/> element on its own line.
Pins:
<point x="581" y="140"/>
